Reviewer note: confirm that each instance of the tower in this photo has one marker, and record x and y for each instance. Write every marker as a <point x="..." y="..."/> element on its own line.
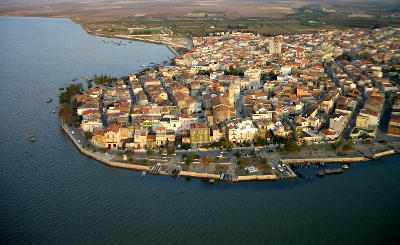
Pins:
<point x="232" y="94"/>
<point x="275" y="47"/>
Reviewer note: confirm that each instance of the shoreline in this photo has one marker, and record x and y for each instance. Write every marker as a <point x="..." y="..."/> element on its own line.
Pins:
<point x="170" y="46"/>
<point x="207" y="176"/>
<point x="136" y="167"/>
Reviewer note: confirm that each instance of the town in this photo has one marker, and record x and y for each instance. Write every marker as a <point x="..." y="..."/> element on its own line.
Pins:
<point x="237" y="102"/>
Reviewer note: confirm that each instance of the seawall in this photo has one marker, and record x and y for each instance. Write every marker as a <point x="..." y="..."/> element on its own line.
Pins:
<point x="326" y="160"/>
<point x="384" y="153"/>
<point x="188" y="174"/>
<point x="339" y="159"/>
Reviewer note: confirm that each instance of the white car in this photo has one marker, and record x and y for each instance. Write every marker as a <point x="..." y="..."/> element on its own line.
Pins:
<point x="79" y="141"/>
<point x="72" y="132"/>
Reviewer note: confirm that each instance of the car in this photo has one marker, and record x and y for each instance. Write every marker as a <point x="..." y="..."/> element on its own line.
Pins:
<point x="79" y="141"/>
<point x="72" y="132"/>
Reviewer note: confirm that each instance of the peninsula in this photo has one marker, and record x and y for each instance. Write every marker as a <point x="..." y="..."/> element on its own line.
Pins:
<point x="241" y="106"/>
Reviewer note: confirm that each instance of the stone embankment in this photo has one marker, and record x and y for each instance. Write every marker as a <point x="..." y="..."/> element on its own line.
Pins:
<point x="188" y="174"/>
<point x="326" y="160"/>
<point x="339" y="159"/>
<point x="385" y="153"/>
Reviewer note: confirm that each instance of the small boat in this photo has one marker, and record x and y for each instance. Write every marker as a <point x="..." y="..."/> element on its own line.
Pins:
<point x="345" y="166"/>
<point x="74" y="79"/>
<point x="211" y="181"/>
<point x="328" y="171"/>
<point x="31" y="138"/>
<point x="143" y="173"/>
<point x="320" y="173"/>
<point x="337" y="171"/>
<point x="54" y="111"/>
<point x="49" y="100"/>
<point x="61" y="88"/>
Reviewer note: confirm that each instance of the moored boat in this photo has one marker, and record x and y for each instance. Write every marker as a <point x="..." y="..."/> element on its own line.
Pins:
<point x="320" y="173"/>
<point x="49" y="100"/>
<point x="345" y="166"/>
<point x="31" y="138"/>
<point x="337" y="171"/>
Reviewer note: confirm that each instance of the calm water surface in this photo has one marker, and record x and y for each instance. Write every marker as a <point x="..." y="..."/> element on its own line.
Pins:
<point x="50" y="193"/>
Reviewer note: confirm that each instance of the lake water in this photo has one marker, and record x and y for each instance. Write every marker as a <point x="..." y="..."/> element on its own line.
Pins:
<point x="50" y="193"/>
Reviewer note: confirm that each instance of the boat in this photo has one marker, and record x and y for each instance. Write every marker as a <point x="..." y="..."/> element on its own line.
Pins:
<point x="49" y="100"/>
<point x="211" y="181"/>
<point x="320" y="173"/>
<point x="143" y="173"/>
<point x="74" y="79"/>
<point x="345" y="166"/>
<point x="61" y="88"/>
<point x="31" y="138"/>
<point x="337" y="171"/>
<point x="328" y="171"/>
<point x="54" y="111"/>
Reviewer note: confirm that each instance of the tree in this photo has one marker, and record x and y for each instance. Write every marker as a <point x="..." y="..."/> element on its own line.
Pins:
<point x="129" y="152"/>
<point x="242" y="162"/>
<point x="149" y="152"/>
<point x="171" y="150"/>
<point x="88" y="135"/>
<point x="206" y="161"/>
<point x="227" y="145"/>
<point x="186" y="146"/>
<point x="65" y="113"/>
<point x="103" y="79"/>
<point x="72" y="90"/>
<point x="238" y="153"/>
<point x="188" y="161"/>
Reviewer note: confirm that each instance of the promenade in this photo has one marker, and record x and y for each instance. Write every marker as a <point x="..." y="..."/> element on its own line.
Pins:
<point x="107" y="159"/>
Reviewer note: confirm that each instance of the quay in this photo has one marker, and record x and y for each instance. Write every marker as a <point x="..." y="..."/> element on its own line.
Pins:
<point x="339" y="159"/>
<point x="189" y="174"/>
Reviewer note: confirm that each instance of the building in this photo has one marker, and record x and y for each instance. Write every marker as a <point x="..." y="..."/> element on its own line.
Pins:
<point x="362" y="122"/>
<point x="199" y="133"/>
<point x="240" y="131"/>
<point x="275" y="48"/>
<point x="338" y="122"/>
<point x="222" y="111"/>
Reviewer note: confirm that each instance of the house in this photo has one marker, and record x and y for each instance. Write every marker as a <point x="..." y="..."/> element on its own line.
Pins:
<point x="338" y="122"/>
<point x="216" y="133"/>
<point x="91" y="124"/>
<point x="241" y="130"/>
